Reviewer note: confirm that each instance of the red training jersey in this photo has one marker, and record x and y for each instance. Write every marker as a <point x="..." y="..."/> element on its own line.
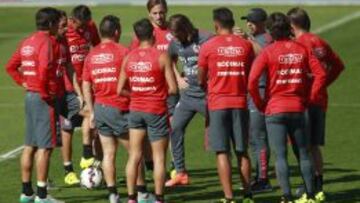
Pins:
<point x="147" y="81"/>
<point x="226" y="59"/>
<point x="61" y="58"/>
<point x="79" y="42"/>
<point x="288" y="65"/>
<point x="102" y="68"/>
<point x="33" y="64"/>
<point x="329" y="59"/>
<point x="162" y="36"/>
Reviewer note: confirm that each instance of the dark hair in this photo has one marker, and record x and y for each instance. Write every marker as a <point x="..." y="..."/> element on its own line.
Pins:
<point x="181" y="23"/>
<point x="46" y="17"/>
<point x="143" y="29"/>
<point x="151" y="3"/>
<point x="299" y="18"/>
<point x="62" y="14"/>
<point x="109" y="25"/>
<point x="278" y="25"/>
<point x="81" y="13"/>
<point x="224" y="16"/>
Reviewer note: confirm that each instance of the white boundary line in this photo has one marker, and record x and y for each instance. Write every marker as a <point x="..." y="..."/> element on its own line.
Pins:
<point x="321" y="29"/>
<point x="11" y="154"/>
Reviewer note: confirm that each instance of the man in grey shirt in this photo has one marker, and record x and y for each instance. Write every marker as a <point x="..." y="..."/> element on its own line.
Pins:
<point x="255" y="21"/>
<point x="184" y="49"/>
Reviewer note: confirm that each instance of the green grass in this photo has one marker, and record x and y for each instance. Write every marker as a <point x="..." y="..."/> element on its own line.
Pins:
<point x="342" y="176"/>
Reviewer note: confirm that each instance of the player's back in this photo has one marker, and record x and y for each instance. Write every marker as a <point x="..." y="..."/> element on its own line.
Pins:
<point x="102" y="67"/>
<point x="229" y="59"/>
<point x="147" y="81"/>
<point x="288" y="69"/>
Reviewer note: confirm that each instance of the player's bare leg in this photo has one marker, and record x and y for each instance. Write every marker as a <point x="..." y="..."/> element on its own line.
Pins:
<point x="136" y="140"/>
<point x="224" y="172"/>
<point x="42" y="170"/>
<point x="26" y="162"/>
<point x="244" y="165"/>
<point x="159" y="149"/>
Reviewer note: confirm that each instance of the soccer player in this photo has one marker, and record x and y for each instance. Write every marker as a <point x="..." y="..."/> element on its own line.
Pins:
<point x="162" y="36"/>
<point x="151" y="78"/>
<point x="38" y="75"/>
<point x="316" y="113"/>
<point x="224" y="62"/>
<point x="255" y="21"/>
<point x="100" y="75"/>
<point x="287" y="65"/>
<point x="67" y="110"/>
<point x="185" y="48"/>
<point x="80" y="38"/>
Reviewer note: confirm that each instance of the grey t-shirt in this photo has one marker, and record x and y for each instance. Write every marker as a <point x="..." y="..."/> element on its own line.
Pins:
<point x="263" y="40"/>
<point x="187" y="54"/>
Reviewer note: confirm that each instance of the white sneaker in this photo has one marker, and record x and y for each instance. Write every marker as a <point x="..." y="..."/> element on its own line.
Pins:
<point x="48" y="199"/>
<point x="26" y="199"/>
<point x="114" y="198"/>
<point x="145" y="197"/>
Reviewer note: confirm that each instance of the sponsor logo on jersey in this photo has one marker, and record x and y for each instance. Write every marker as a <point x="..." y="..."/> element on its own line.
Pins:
<point x="102" y="58"/>
<point x="77" y="58"/>
<point x="291" y="71"/>
<point x="103" y="70"/>
<point x="290" y="58"/>
<point x="230" y="51"/>
<point x="27" y="50"/>
<point x="169" y="36"/>
<point x="141" y="66"/>
<point x="319" y="52"/>
<point x="142" y="79"/>
<point x="28" y="63"/>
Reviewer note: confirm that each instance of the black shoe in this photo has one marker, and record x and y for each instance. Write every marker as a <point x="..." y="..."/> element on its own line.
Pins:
<point x="261" y="186"/>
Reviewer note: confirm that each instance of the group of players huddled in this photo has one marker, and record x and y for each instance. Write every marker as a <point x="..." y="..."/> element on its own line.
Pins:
<point x="256" y="88"/>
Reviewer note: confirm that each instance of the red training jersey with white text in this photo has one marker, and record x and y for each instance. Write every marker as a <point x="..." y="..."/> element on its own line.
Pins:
<point x="102" y="68"/>
<point x="162" y="36"/>
<point x="147" y="81"/>
<point x="33" y="64"/>
<point x="328" y="58"/>
<point x="226" y="59"/>
<point x="79" y="42"/>
<point x="288" y="66"/>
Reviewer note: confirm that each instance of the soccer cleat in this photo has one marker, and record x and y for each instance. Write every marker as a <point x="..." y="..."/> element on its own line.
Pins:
<point x="71" y="179"/>
<point x="261" y="187"/>
<point x="248" y="200"/>
<point x="302" y="199"/>
<point x="173" y="173"/>
<point x="48" y="199"/>
<point x="180" y="179"/>
<point x="86" y="163"/>
<point x="320" y="196"/>
<point x="26" y="199"/>
<point x="145" y="197"/>
<point x="114" y="198"/>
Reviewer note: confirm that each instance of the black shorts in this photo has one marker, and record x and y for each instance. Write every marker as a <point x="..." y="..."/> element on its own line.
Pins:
<point x="315" y="125"/>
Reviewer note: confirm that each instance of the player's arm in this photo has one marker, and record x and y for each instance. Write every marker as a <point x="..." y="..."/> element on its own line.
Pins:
<point x="181" y="81"/>
<point x="121" y="87"/>
<point x="257" y="68"/>
<point x="70" y="72"/>
<point x="319" y="74"/>
<point x="45" y="63"/>
<point x="12" y="68"/>
<point x="165" y="63"/>
<point x="336" y="68"/>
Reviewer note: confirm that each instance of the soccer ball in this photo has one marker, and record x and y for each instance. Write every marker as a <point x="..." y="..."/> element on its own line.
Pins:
<point x="91" y="178"/>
